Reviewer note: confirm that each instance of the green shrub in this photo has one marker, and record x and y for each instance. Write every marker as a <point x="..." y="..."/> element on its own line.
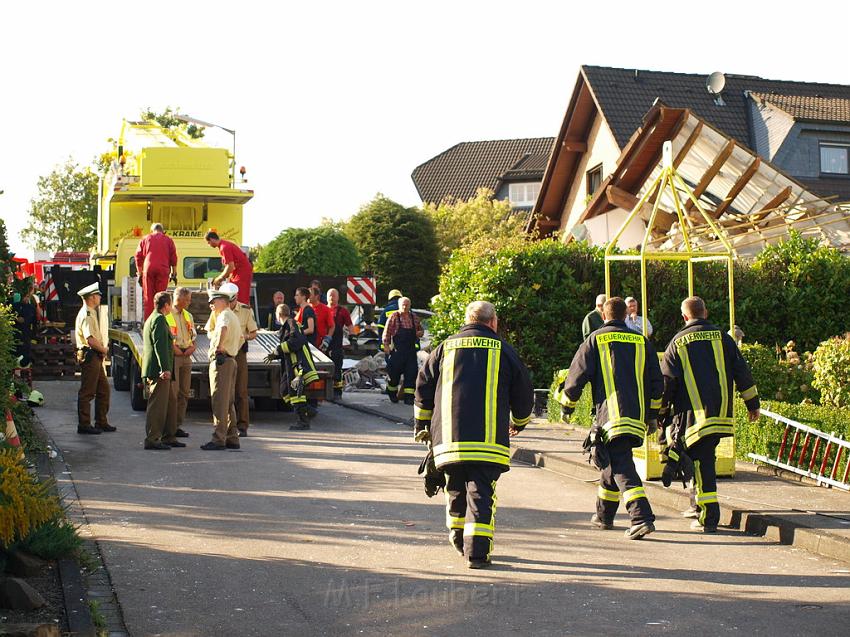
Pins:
<point x="540" y="290"/>
<point x="53" y="540"/>
<point x="24" y="419"/>
<point x="795" y="288"/>
<point x="318" y="251"/>
<point x="581" y="417"/>
<point x="784" y="376"/>
<point x="831" y="362"/>
<point x="400" y="246"/>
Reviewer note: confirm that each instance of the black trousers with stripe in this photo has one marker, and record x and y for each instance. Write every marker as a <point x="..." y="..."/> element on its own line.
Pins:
<point x="621" y="478"/>
<point x="402" y="363"/>
<point x="704" y="496"/>
<point x="471" y="505"/>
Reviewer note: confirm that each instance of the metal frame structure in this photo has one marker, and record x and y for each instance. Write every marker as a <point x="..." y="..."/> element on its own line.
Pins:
<point x="668" y="178"/>
<point x="810" y="467"/>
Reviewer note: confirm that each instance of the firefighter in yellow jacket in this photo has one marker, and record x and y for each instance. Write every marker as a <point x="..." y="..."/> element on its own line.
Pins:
<point x="700" y="365"/>
<point x="622" y="368"/>
<point x="472" y="395"/>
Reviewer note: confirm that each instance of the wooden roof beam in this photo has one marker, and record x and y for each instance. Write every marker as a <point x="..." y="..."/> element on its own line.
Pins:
<point x="737" y="187"/>
<point x="627" y="201"/>
<point x="686" y="147"/>
<point x="574" y="146"/>
<point x="774" y="203"/>
<point x="711" y="173"/>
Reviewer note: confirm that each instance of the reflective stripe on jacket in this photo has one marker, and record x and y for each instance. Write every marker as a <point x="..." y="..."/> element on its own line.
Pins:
<point x="172" y="323"/>
<point x="471" y="391"/>
<point x="700" y="365"/>
<point x="622" y="369"/>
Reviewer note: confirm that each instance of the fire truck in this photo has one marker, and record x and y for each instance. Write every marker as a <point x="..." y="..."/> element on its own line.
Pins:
<point x="159" y="174"/>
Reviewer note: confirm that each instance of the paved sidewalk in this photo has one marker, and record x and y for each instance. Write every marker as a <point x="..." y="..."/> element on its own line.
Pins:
<point x="809" y="517"/>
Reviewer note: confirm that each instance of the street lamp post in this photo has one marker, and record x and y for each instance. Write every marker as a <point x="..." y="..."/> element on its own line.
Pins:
<point x="199" y="122"/>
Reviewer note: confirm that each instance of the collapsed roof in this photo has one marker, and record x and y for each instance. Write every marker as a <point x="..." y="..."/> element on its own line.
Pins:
<point x="752" y="201"/>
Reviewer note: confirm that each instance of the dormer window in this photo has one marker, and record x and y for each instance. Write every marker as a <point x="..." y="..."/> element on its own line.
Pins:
<point x="523" y="194"/>
<point x="834" y="159"/>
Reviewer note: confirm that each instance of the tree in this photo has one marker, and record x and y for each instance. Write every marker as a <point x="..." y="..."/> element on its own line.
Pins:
<point x="459" y="223"/>
<point x="322" y="251"/>
<point x="64" y="214"/>
<point x="400" y="246"/>
<point x="168" y="119"/>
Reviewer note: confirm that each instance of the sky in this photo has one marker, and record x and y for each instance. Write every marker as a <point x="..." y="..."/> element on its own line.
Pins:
<point x="334" y="102"/>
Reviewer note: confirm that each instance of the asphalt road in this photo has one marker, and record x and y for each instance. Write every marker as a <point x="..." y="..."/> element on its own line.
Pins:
<point x="328" y="532"/>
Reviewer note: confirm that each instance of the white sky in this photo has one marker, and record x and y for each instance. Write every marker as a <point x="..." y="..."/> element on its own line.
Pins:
<point x="336" y="101"/>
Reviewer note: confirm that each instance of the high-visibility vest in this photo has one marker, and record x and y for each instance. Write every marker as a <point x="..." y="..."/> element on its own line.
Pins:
<point x="172" y="323"/>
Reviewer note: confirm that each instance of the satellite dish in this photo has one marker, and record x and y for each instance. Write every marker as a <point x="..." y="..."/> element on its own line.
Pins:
<point x="714" y="85"/>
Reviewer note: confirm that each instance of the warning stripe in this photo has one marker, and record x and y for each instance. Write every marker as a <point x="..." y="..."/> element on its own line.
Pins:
<point x="365" y="295"/>
<point x="51" y="293"/>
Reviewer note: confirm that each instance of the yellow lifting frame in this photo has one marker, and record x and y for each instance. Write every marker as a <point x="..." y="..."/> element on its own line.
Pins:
<point x="669" y="178"/>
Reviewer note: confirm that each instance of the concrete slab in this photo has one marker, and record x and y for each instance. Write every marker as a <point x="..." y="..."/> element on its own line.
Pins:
<point x="328" y="532"/>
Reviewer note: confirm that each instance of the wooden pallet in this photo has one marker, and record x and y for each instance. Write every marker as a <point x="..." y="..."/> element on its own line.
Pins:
<point x="53" y="360"/>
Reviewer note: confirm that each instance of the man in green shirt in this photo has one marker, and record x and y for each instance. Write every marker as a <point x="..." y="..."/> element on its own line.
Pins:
<point x="593" y="321"/>
<point x="157" y="369"/>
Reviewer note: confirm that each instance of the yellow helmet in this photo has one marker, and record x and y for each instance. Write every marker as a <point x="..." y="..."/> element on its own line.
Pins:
<point x="394" y="294"/>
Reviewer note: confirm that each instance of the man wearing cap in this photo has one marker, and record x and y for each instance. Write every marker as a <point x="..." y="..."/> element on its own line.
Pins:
<point x="593" y="320"/>
<point x="237" y="268"/>
<point x="225" y="341"/>
<point x="90" y="354"/>
<point x="389" y="309"/>
<point x="156" y="259"/>
<point x="248" y="330"/>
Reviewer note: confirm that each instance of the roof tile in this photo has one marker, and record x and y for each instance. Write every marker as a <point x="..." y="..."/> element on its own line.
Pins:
<point x="464" y="168"/>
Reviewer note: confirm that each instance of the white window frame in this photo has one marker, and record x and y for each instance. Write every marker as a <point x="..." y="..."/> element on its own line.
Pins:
<point x="523" y="193"/>
<point x="838" y="145"/>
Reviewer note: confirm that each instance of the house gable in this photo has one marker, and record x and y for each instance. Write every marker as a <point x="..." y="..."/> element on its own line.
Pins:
<point x="464" y="168"/>
<point x="797" y="115"/>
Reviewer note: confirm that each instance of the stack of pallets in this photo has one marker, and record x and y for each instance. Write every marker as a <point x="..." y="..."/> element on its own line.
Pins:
<point x="54" y="355"/>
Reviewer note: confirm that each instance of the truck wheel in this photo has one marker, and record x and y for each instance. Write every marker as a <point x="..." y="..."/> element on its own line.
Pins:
<point x="120" y="373"/>
<point x="137" y="394"/>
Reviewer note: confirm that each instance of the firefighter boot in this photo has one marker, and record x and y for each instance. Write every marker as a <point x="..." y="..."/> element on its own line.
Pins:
<point x="456" y="540"/>
<point x="303" y="419"/>
<point x="599" y="523"/>
<point x="638" y="531"/>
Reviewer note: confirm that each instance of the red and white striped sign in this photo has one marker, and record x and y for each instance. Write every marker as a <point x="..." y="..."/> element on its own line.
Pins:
<point x="50" y="292"/>
<point x="361" y="290"/>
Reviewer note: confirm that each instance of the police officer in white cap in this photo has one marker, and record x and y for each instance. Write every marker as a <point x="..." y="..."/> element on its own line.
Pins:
<point x="91" y="354"/>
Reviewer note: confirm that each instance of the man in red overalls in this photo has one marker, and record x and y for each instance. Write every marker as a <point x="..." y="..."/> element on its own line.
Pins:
<point x="237" y="268"/>
<point x="156" y="260"/>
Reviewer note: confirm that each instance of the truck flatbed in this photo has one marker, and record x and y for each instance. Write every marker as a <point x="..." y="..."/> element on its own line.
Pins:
<point x="263" y="378"/>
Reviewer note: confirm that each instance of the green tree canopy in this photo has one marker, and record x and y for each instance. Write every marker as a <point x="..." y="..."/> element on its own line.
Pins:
<point x="459" y="223"/>
<point x="64" y="214"/>
<point x="168" y="119"/>
<point x="322" y="251"/>
<point x="399" y="245"/>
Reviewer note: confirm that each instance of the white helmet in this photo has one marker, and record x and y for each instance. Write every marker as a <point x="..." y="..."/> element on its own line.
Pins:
<point x="229" y="288"/>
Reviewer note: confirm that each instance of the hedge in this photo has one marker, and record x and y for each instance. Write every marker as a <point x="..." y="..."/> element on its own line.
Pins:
<point x="543" y="289"/>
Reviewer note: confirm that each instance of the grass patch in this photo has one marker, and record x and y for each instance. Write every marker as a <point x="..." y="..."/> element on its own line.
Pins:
<point x="97" y="617"/>
<point x="54" y="540"/>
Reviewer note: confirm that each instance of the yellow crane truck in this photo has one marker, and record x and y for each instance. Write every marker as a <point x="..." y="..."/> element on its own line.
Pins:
<point x="159" y="174"/>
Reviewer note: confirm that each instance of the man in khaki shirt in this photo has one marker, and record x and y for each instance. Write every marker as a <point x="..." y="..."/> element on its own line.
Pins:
<point x="225" y="342"/>
<point x="249" y="333"/>
<point x="182" y="327"/>
<point x="91" y="354"/>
